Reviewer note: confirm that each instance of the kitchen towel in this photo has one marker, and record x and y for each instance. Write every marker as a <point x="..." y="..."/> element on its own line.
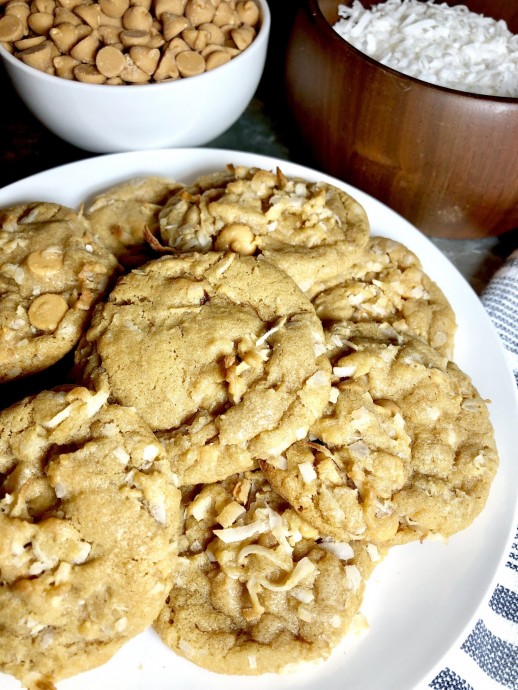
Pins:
<point x="488" y="657"/>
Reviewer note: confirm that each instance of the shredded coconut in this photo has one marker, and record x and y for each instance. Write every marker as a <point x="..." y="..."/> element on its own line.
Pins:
<point x="307" y="471"/>
<point x="448" y="46"/>
<point x="341" y="550"/>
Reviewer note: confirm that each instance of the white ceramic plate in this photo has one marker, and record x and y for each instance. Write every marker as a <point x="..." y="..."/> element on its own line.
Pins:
<point x="423" y="597"/>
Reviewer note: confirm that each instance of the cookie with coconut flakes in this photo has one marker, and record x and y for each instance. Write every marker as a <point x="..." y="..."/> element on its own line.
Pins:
<point x="221" y="354"/>
<point x="404" y="450"/>
<point x="89" y="523"/>
<point x="121" y="214"/>
<point x="52" y="272"/>
<point x="256" y="589"/>
<point x="311" y="230"/>
<point x="388" y="285"/>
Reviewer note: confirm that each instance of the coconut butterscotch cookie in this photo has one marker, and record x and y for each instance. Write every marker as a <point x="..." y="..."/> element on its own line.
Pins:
<point x="88" y="533"/>
<point x="121" y="214"/>
<point x="221" y="354"/>
<point x="52" y="272"/>
<point x="404" y="449"/>
<point x="388" y="285"/>
<point x="311" y="230"/>
<point x="257" y="589"/>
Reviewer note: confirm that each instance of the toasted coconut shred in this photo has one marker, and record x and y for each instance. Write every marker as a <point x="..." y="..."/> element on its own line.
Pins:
<point x="439" y="44"/>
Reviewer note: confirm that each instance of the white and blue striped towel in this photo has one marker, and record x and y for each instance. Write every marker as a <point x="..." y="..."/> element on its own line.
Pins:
<point x="488" y="658"/>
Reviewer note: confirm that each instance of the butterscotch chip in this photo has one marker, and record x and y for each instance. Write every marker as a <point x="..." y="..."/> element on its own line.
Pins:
<point x="86" y="49"/>
<point x="39" y="56"/>
<point x="137" y="17"/>
<point x="243" y="36"/>
<point x="190" y="63"/>
<point x="134" y="37"/>
<point x="65" y="36"/>
<point x="88" y="533"/>
<point x="110" y="61"/>
<point x="266" y="592"/>
<point x="114" y="8"/>
<point x="248" y="12"/>
<point x="310" y="230"/>
<point x="11" y="28"/>
<point x="200" y="11"/>
<point x="65" y="65"/>
<point x="216" y="35"/>
<point x="63" y="14"/>
<point x="404" y="450"/>
<point x="216" y="59"/>
<point x="46" y="311"/>
<point x="45" y="262"/>
<point x="18" y="9"/>
<point x="388" y="285"/>
<point x="132" y="72"/>
<point x="91" y="14"/>
<point x="26" y="43"/>
<point x="40" y="22"/>
<point x="145" y="58"/>
<point x="52" y="272"/>
<point x="167" y="68"/>
<point x="227" y="365"/>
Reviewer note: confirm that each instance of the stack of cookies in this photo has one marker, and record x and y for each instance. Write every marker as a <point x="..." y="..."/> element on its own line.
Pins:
<point x="261" y="404"/>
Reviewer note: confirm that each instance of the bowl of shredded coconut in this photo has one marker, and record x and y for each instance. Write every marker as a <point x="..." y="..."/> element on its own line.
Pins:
<point x="416" y="103"/>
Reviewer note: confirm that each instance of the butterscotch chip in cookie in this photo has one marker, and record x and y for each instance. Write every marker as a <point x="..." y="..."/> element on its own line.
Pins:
<point x="257" y="589"/>
<point x="121" y="213"/>
<point x="52" y="272"/>
<point x="89" y="523"/>
<point x="404" y="450"/>
<point x="388" y="285"/>
<point x="311" y="230"/>
<point x="221" y="354"/>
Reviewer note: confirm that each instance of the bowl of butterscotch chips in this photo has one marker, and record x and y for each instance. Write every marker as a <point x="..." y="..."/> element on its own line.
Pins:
<point x="125" y="75"/>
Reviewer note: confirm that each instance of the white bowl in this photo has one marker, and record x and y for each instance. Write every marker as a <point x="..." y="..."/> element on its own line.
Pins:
<point x="185" y="112"/>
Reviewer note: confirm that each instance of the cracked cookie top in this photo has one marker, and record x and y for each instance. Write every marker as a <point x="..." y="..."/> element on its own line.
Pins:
<point x="88" y="532"/>
<point x="311" y="230"/>
<point x="257" y="589"/>
<point x="221" y="354"/>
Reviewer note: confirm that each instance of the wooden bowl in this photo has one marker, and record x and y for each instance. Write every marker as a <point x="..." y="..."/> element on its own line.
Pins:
<point x="444" y="159"/>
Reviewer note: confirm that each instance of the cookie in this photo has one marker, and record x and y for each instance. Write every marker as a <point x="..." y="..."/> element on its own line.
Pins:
<point x="311" y="230"/>
<point x="256" y="589"/>
<point x="88" y="533"/>
<point x="388" y="285"/>
<point x="52" y="272"/>
<point x="121" y="214"/>
<point x="404" y="450"/>
<point x="221" y="354"/>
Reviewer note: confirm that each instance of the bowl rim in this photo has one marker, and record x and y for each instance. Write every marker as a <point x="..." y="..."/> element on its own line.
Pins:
<point x="261" y="37"/>
<point x="316" y="14"/>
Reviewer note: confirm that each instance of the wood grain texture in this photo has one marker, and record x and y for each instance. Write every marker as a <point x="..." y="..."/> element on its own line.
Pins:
<point x="445" y="160"/>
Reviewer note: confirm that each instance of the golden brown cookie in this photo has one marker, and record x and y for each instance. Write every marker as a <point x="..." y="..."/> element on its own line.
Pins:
<point x="404" y="450"/>
<point x="121" y="214"/>
<point x="256" y="589"/>
<point x="311" y="230"/>
<point x="388" y="285"/>
<point x="222" y="354"/>
<point x="88" y="533"/>
<point x="52" y="272"/>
